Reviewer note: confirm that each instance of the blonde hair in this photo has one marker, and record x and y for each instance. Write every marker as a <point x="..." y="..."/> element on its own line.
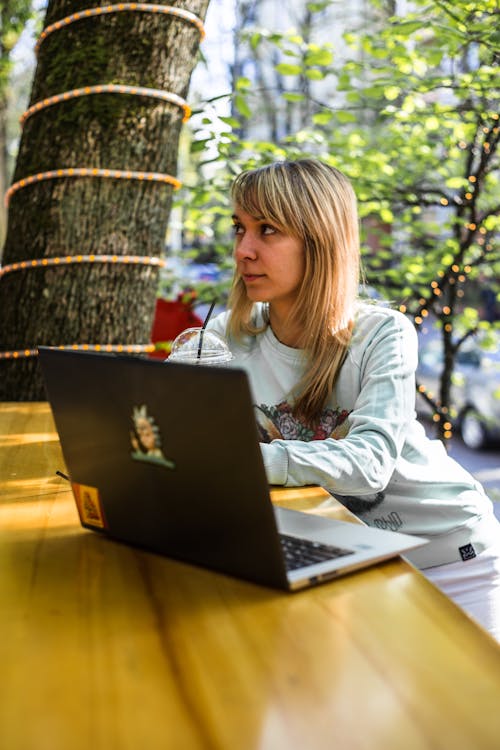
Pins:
<point x="316" y="204"/>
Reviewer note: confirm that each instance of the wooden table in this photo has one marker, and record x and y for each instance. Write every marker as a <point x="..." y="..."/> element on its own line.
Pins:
<point x="104" y="647"/>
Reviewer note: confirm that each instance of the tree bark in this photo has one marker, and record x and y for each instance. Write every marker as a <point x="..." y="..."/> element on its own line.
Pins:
<point x="93" y="303"/>
<point x="3" y="166"/>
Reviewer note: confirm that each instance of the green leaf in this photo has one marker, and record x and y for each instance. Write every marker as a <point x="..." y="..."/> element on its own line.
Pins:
<point x="243" y="83"/>
<point x="318" y="6"/>
<point x="288" y="69"/>
<point x="315" y="75"/>
<point x="405" y="28"/>
<point x="255" y="40"/>
<point x="456" y="182"/>
<point x="290" y="96"/>
<point x="392" y="92"/>
<point x="231" y="121"/>
<point x="344" y="117"/>
<point x="432" y="123"/>
<point x="319" y="57"/>
<point x="197" y="146"/>
<point x="322" y="118"/>
<point x="242" y="106"/>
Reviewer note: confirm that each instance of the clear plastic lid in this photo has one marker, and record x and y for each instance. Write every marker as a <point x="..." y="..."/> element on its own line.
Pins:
<point x="198" y="346"/>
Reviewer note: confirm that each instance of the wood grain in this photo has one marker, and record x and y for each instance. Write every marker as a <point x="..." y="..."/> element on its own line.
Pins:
<point x="103" y="646"/>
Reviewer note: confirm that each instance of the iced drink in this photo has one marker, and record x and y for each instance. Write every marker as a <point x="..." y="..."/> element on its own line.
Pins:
<point x="199" y="346"/>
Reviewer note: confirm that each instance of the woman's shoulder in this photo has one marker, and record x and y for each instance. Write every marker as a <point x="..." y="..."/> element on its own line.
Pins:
<point x="246" y="342"/>
<point x="372" y="317"/>
<point x="220" y="322"/>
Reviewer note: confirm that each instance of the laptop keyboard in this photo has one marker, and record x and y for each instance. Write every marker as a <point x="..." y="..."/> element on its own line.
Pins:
<point x="301" y="552"/>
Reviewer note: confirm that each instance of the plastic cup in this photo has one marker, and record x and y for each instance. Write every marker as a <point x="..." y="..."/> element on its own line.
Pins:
<point x="198" y="346"/>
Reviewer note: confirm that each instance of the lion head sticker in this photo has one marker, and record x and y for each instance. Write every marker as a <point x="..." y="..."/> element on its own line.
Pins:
<point x="145" y="439"/>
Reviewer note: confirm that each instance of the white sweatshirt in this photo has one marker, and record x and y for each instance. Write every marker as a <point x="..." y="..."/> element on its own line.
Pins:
<point x="369" y="451"/>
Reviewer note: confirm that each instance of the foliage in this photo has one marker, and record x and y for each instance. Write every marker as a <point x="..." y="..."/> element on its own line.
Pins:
<point x="14" y="15"/>
<point x="414" y="122"/>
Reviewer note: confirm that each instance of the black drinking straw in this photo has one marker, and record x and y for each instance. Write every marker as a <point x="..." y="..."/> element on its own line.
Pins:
<point x="207" y="318"/>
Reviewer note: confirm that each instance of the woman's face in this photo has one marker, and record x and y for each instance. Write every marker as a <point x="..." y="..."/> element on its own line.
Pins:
<point x="270" y="262"/>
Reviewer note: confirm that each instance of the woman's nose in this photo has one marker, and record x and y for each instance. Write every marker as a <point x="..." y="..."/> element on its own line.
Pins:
<point x="245" y="247"/>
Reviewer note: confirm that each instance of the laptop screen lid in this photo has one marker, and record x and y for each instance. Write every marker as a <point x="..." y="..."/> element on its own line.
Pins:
<point x="166" y="457"/>
<point x="202" y="494"/>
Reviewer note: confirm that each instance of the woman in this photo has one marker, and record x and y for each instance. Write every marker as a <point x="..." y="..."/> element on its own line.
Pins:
<point x="333" y="380"/>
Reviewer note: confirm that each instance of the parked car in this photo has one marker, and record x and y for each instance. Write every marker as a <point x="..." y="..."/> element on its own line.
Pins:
<point x="475" y="389"/>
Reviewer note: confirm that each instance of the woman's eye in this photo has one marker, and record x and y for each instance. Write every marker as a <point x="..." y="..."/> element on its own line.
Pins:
<point x="237" y="229"/>
<point x="267" y="229"/>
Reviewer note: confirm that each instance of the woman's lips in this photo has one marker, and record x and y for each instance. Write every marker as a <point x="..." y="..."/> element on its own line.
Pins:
<point x="249" y="277"/>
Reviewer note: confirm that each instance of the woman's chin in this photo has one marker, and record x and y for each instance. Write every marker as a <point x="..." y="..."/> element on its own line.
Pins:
<point x="255" y="295"/>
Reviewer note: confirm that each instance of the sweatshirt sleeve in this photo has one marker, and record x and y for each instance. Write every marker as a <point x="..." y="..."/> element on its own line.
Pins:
<point x="383" y="360"/>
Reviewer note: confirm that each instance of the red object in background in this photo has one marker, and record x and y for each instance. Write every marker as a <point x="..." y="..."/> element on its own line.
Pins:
<point x="171" y="318"/>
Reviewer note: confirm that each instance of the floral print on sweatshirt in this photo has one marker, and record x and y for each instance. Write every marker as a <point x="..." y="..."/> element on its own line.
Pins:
<point x="278" y="422"/>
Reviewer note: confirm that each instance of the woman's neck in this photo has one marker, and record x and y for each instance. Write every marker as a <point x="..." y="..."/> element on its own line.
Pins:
<point x="284" y="332"/>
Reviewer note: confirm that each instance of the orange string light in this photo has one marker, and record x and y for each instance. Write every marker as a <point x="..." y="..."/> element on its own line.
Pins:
<point x="111" y="348"/>
<point x="169" y="10"/>
<point x="117" y="174"/>
<point x="109" y="88"/>
<point x="143" y="260"/>
<point x="66" y="260"/>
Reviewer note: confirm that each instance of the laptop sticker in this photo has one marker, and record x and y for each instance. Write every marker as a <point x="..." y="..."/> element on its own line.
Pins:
<point x="146" y="440"/>
<point x="89" y="505"/>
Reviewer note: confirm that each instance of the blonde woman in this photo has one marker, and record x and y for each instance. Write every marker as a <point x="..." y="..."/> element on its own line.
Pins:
<point x="333" y="380"/>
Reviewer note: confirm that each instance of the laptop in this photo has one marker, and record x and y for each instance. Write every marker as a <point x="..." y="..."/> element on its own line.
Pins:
<point x="165" y="456"/>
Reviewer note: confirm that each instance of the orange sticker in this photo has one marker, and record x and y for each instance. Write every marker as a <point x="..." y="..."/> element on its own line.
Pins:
<point x="89" y="505"/>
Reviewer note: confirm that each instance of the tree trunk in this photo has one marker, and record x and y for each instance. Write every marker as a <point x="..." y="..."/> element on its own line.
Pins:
<point x="94" y="303"/>
<point x="3" y="167"/>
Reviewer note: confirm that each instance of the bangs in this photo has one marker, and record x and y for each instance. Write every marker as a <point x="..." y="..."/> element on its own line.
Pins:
<point x="264" y="194"/>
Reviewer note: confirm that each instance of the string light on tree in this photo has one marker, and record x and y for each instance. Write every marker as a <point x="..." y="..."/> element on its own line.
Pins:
<point x="108" y="348"/>
<point x="142" y="260"/>
<point x="109" y="88"/>
<point x="169" y="10"/>
<point x="117" y="174"/>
